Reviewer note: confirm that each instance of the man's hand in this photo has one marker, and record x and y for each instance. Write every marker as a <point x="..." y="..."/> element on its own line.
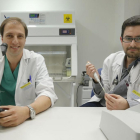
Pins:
<point x="90" y="70"/>
<point x="115" y="102"/>
<point x="13" y="116"/>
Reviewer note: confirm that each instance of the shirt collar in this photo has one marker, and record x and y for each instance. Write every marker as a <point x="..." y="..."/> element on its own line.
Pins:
<point x="26" y="54"/>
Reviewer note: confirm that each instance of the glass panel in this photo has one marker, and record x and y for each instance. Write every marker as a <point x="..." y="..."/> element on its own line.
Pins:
<point x="57" y="58"/>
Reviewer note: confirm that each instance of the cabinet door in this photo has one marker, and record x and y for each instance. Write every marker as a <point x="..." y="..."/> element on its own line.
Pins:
<point x="86" y="93"/>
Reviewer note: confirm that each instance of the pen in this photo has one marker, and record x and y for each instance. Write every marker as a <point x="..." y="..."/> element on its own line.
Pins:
<point x="30" y="79"/>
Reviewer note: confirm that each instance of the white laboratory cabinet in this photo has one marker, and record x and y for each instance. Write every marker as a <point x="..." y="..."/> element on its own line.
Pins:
<point x="84" y="94"/>
<point x="53" y="35"/>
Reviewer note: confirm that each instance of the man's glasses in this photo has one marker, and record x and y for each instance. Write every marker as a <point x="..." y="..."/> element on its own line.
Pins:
<point x="129" y="39"/>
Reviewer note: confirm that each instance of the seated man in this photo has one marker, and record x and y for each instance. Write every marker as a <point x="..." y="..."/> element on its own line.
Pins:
<point x="120" y="75"/>
<point x="25" y="86"/>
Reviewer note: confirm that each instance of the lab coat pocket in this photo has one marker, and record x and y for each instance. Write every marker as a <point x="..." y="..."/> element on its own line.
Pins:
<point x="28" y="89"/>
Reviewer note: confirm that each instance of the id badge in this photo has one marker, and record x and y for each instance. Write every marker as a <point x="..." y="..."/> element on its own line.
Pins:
<point x="26" y="86"/>
<point x="135" y="95"/>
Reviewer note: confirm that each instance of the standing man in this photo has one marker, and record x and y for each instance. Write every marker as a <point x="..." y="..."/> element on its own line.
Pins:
<point x="25" y="86"/>
<point x="120" y="75"/>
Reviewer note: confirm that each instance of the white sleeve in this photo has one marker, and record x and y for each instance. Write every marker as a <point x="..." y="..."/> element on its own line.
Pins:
<point x="44" y="83"/>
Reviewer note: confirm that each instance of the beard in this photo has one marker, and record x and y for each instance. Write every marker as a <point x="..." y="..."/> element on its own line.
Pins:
<point x="133" y="54"/>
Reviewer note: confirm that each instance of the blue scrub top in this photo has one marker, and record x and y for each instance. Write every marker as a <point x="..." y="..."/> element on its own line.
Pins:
<point x="8" y="84"/>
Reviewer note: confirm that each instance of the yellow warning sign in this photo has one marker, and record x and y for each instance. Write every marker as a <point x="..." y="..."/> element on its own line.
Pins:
<point x="67" y="18"/>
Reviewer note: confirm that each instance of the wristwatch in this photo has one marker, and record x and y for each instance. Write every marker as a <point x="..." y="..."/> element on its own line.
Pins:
<point x="32" y="112"/>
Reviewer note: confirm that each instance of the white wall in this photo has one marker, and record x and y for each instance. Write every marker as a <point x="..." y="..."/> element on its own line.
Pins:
<point x="131" y="8"/>
<point x="119" y="18"/>
<point x="98" y="24"/>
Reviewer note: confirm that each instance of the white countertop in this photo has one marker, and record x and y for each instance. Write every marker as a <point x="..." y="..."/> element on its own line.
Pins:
<point x="59" y="123"/>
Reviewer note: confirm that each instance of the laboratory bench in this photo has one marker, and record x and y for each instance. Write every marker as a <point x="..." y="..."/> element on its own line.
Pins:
<point x="59" y="123"/>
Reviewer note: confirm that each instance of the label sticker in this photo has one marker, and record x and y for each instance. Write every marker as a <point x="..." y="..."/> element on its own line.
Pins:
<point x="67" y="18"/>
<point x="37" y="19"/>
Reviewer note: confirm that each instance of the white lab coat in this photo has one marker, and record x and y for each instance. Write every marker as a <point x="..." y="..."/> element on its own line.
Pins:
<point x="112" y="67"/>
<point x="31" y="64"/>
